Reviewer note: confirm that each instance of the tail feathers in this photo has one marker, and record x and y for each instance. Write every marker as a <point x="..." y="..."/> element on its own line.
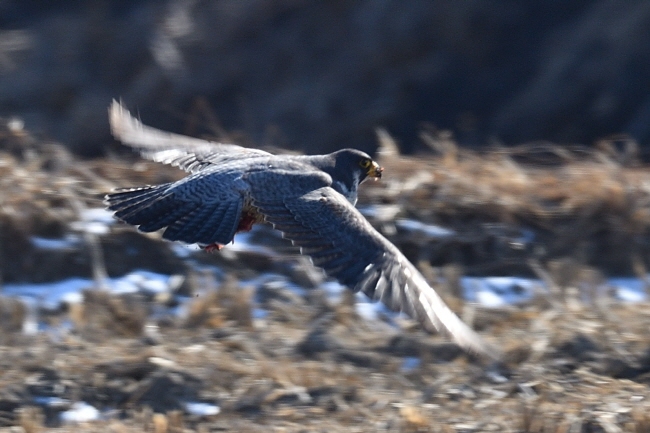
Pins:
<point x="124" y="198"/>
<point x="150" y="207"/>
<point x="170" y="216"/>
<point x="143" y="213"/>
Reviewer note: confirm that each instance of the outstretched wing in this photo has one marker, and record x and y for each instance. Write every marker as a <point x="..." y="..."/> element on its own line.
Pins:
<point x="342" y="242"/>
<point x="189" y="154"/>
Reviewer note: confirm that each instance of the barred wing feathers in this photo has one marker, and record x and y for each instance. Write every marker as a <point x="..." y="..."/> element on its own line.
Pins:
<point x="187" y="153"/>
<point x="342" y="242"/>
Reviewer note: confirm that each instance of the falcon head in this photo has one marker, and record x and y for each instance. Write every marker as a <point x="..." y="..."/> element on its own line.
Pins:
<point x="348" y="168"/>
<point x="372" y="169"/>
<point x="357" y="165"/>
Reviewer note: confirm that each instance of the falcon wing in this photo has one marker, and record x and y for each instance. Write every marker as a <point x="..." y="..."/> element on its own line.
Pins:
<point x="342" y="242"/>
<point x="189" y="154"/>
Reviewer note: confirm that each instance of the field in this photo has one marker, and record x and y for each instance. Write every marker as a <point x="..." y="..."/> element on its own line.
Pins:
<point x="255" y="339"/>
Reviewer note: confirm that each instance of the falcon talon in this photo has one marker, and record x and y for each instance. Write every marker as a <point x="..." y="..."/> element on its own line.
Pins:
<point x="212" y="248"/>
<point x="310" y="199"/>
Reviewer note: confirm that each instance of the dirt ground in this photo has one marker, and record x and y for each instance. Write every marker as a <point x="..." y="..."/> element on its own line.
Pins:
<point x="313" y="366"/>
<point x="575" y="359"/>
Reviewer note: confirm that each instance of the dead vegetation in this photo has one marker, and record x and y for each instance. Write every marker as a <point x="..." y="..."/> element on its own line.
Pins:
<point x="576" y="359"/>
<point x="508" y="205"/>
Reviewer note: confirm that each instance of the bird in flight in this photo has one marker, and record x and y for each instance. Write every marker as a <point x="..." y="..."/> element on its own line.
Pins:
<point x="310" y="199"/>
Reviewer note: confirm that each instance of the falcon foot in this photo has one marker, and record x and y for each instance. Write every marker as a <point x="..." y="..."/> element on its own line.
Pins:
<point x="213" y="247"/>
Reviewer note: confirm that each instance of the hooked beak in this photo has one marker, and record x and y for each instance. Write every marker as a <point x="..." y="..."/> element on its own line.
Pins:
<point x="375" y="171"/>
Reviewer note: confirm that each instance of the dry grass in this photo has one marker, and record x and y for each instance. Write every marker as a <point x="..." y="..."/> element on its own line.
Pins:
<point x="492" y="181"/>
<point x="576" y="360"/>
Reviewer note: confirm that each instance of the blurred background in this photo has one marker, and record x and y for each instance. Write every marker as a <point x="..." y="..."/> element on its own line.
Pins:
<point x="319" y="76"/>
<point x="515" y="139"/>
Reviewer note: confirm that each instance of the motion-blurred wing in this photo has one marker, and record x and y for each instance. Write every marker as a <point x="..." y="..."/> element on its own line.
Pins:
<point x="189" y="154"/>
<point x="342" y="242"/>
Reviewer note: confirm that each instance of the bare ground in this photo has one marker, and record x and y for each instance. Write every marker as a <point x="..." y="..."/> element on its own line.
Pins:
<point x="576" y="360"/>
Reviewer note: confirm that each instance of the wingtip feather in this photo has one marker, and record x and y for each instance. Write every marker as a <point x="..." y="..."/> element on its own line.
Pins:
<point x="122" y="123"/>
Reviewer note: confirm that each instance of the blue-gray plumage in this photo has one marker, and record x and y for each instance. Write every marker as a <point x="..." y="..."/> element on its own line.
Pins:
<point x="310" y="199"/>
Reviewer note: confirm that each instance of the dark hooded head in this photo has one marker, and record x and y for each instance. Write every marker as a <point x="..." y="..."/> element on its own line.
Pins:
<point x="352" y="164"/>
<point x="348" y="168"/>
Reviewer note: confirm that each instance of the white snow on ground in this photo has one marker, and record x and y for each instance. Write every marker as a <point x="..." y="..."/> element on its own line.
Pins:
<point x="51" y="296"/>
<point x="628" y="289"/>
<point x="69" y="241"/>
<point x="366" y="309"/>
<point x="491" y="292"/>
<point x="80" y="412"/>
<point x="333" y="290"/>
<point x="498" y="291"/>
<point x="202" y="409"/>
<point x="95" y="221"/>
<point x="429" y="231"/>
<point x="99" y="215"/>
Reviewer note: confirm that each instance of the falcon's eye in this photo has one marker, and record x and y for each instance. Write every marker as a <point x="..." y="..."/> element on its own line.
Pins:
<point x="365" y="163"/>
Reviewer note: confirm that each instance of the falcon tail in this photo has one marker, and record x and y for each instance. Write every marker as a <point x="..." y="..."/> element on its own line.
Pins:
<point x="150" y="207"/>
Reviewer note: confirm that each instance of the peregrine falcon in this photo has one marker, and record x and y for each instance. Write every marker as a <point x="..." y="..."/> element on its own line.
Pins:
<point x="310" y="199"/>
